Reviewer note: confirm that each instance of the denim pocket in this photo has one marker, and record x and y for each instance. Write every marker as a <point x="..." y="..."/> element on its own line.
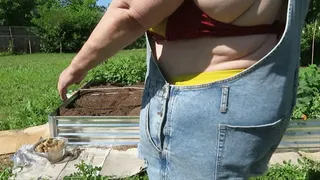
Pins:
<point x="241" y="147"/>
<point x="147" y="129"/>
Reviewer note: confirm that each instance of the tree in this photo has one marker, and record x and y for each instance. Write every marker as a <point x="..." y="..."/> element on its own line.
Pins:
<point x="65" y="25"/>
<point x="314" y="11"/>
<point x="16" y="12"/>
<point x="310" y="41"/>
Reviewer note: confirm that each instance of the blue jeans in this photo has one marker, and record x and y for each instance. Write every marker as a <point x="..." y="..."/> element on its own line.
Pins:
<point x="226" y="129"/>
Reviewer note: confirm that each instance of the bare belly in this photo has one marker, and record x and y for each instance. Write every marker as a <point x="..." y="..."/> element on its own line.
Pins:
<point x="217" y="53"/>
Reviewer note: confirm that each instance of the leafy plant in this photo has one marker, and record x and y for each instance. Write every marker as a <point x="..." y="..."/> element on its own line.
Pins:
<point x="307" y="41"/>
<point x="308" y="95"/>
<point x="16" y="12"/>
<point x="64" y="26"/>
<point x="86" y="172"/>
<point x="124" y="70"/>
<point x="89" y="172"/>
<point x="305" y="170"/>
<point x="287" y="171"/>
<point x="6" y="174"/>
<point x="140" y="43"/>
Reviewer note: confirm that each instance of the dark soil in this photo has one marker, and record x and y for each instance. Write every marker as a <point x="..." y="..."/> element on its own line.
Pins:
<point x="99" y="101"/>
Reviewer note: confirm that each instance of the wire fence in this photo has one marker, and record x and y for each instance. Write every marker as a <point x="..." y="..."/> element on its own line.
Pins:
<point x="18" y="39"/>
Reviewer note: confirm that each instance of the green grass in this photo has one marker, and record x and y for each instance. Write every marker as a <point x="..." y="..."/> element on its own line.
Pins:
<point x="28" y="87"/>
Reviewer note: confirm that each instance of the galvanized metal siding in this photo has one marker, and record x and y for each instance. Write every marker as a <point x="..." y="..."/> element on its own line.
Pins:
<point x="302" y="135"/>
<point x="101" y="131"/>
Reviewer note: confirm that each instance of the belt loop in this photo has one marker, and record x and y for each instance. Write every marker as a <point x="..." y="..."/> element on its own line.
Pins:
<point x="224" y="99"/>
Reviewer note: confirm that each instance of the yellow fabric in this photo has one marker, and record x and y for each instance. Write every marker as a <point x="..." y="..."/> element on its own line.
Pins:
<point x="203" y="78"/>
<point x="160" y="28"/>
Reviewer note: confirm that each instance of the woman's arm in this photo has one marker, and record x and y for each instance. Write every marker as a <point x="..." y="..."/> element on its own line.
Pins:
<point x="123" y="22"/>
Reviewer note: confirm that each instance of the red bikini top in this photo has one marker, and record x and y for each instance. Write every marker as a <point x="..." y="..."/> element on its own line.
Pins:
<point x="189" y="21"/>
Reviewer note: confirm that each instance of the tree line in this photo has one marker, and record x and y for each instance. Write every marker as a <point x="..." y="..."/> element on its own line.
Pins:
<point x="64" y="25"/>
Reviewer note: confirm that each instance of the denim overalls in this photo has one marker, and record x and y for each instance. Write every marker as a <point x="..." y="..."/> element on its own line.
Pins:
<point x="226" y="129"/>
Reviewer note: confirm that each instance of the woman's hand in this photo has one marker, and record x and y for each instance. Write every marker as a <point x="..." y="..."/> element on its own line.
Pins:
<point x="67" y="78"/>
<point x="122" y="24"/>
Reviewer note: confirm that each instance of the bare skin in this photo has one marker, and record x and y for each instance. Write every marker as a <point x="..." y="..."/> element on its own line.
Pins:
<point x="126" y="20"/>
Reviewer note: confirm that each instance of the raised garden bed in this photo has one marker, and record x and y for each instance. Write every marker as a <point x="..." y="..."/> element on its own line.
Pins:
<point x="109" y="115"/>
<point x="105" y="100"/>
<point x="99" y="115"/>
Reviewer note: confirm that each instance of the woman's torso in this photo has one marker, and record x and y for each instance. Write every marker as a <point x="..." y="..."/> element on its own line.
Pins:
<point x="223" y="53"/>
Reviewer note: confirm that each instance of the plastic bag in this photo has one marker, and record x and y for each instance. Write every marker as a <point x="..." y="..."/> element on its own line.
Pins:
<point x="25" y="157"/>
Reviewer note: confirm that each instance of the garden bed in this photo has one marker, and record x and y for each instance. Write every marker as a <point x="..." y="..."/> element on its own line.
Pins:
<point x="105" y="100"/>
<point x="99" y="115"/>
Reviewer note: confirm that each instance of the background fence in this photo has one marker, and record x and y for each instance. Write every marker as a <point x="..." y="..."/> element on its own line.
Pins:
<point x="18" y="39"/>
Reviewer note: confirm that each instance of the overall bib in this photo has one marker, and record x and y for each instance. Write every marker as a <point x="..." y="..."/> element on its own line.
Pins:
<point x="226" y="129"/>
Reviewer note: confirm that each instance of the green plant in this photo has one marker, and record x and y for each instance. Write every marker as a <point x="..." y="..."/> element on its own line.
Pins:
<point x="6" y="174"/>
<point x="124" y="70"/>
<point x="140" y="43"/>
<point x="305" y="170"/>
<point x="86" y="172"/>
<point x="89" y="172"/>
<point x="308" y="94"/>
<point x="64" y="26"/>
<point x="311" y="167"/>
<point x="28" y="89"/>
<point x="287" y="171"/>
<point x="307" y="41"/>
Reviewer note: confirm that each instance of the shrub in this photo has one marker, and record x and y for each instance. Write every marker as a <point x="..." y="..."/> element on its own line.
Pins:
<point x="140" y="43"/>
<point x="306" y="44"/>
<point x="308" y="95"/>
<point x="305" y="170"/>
<point x="65" y="26"/>
<point x="123" y="70"/>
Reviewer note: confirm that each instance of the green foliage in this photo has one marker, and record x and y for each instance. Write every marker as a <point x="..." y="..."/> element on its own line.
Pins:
<point x="308" y="95"/>
<point x="89" y="172"/>
<point x="140" y="43"/>
<point x="28" y="88"/>
<point x="306" y="44"/>
<point x="307" y="35"/>
<point x="16" y="12"/>
<point x="65" y="26"/>
<point x="306" y="170"/>
<point x="6" y="174"/>
<point x="314" y="12"/>
<point x="125" y="70"/>
<point x="287" y="171"/>
<point x="86" y="172"/>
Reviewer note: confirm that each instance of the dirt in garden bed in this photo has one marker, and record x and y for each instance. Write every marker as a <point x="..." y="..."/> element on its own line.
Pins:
<point x="101" y="101"/>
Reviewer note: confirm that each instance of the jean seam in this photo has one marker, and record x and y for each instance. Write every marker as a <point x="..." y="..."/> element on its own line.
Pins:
<point x="147" y="129"/>
<point x="268" y="125"/>
<point x="221" y="138"/>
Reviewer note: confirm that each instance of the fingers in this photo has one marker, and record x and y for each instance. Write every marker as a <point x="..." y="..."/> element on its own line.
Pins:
<point x="62" y="91"/>
<point x="66" y="79"/>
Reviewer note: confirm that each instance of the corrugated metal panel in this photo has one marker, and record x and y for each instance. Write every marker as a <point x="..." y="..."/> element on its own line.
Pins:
<point x="302" y="135"/>
<point x="103" y="130"/>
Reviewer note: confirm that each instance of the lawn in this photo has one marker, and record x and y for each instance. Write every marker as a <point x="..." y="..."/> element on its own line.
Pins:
<point x="28" y="87"/>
